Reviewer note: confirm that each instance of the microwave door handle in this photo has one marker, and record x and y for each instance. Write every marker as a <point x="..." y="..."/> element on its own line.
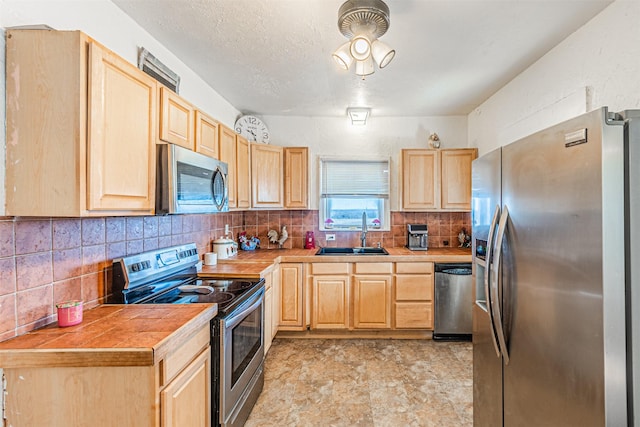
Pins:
<point x="487" y="279"/>
<point x="225" y="190"/>
<point x="495" y="280"/>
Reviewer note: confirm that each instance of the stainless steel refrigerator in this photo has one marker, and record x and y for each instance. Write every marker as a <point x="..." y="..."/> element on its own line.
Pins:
<point x="555" y="221"/>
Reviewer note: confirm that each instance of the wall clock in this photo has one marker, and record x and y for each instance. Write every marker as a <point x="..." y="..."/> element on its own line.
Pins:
<point x="253" y="129"/>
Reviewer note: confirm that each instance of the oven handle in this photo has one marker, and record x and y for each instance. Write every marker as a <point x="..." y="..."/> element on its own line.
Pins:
<point x="246" y="308"/>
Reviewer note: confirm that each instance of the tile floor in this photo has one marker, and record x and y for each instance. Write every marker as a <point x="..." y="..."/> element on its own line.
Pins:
<point x="323" y="382"/>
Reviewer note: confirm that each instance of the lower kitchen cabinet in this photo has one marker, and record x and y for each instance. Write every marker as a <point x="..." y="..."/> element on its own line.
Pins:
<point x="372" y="295"/>
<point x="268" y="315"/>
<point x="271" y="306"/>
<point x="330" y="302"/>
<point x="291" y="297"/>
<point x="176" y="391"/>
<point x="413" y="299"/>
<point x="372" y="302"/>
<point x="183" y="400"/>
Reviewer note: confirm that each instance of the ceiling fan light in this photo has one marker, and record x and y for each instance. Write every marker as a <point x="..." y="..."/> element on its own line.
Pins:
<point x="360" y="48"/>
<point x="366" y="67"/>
<point x="382" y="53"/>
<point x="342" y="56"/>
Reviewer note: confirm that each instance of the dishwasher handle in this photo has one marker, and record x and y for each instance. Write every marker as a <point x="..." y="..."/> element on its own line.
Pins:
<point x="458" y="269"/>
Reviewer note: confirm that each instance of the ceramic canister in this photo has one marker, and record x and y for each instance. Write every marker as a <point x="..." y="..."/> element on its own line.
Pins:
<point x="224" y="248"/>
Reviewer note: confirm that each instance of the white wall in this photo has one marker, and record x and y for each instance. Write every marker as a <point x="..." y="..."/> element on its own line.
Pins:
<point x="381" y="137"/>
<point x="107" y="24"/>
<point x="598" y="65"/>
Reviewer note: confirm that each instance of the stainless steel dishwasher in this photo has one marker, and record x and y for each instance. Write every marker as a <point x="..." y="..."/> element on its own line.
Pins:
<point x="453" y="302"/>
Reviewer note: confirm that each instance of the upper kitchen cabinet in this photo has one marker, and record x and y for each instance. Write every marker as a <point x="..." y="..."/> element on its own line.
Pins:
<point x="176" y="119"/>
<point x="81" y="128"/>
<point x="267" y="176"/>
<point x="206" y="135"/>
<point x="455" y="173"/>
<point x="228" y="154"/>
<point x="437" y="179"/>
<point x="296" y="177"/>
<point x="234" y="151"/>
<point x="243" y="182"/>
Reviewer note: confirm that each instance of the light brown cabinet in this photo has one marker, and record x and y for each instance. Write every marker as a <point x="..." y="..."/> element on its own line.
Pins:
<point x="271" y="305"/>
<point x="206" y="135"/>
<point x="228" y="154"/>
<point x="455" y="172"/>
<point x="413" y="299"/>
<point x="185" y="400"/>
<point x="330" y="296"/>
<point x="372" y="295"/>
<point x="176" y="119"/>
<point x="437" y="179"/>
<point x="267" y="178"/>
<point x="291" y="297"/>
<point x="81" y="128"/>
<point x="243" y="168"/>
<point x="296" y="177"/>
<point x="268" y="314"/>
<point x="176" y="391"/>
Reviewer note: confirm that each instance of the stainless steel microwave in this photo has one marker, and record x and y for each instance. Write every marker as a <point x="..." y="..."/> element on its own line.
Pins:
<point x="189" y="182"/>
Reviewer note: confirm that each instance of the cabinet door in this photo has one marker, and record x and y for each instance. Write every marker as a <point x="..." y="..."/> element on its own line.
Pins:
<point x="267" y="176"/>
<point x="176" y="119"/>
<point x="420" y="180"/>
<point x="372" y="302"/>
<point x="206" y="135"/>
<point x="296" y="190"/>
<point x="330" y="304"/>
<point x="227" y="140"/>
<point x="456" y="178"/>
<point x="291" y="297"/>
<point x="186" y="401"/>
<point x="275" y="319"/>
<point x="122" y="139"/>
<point x="243" y="182"/>
<point x="268" y="315"/>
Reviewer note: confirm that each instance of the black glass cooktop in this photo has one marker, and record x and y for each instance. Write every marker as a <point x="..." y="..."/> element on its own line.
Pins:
<point x="226" y="293"/>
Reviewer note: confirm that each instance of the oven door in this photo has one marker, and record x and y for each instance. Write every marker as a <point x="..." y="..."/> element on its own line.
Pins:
<point x="242" y="352"/>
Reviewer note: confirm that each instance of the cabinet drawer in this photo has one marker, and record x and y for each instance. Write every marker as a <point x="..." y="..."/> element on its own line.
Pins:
<point x="414" y="315"/>
<point x="373" y="267"/>
<point x="184" y="354"/>
<point x="414" y="287"/>
<point x="414" y="267"/>
<point x="330" y="268"/>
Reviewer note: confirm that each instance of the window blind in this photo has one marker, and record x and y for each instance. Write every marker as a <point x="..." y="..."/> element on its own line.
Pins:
<point x="354" y="178"/>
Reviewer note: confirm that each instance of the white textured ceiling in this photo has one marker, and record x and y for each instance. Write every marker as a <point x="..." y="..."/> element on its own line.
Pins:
<point x="273" y="57"/>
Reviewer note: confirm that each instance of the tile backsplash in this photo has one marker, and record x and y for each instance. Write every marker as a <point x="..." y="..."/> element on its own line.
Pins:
<point x="47" y="260"/>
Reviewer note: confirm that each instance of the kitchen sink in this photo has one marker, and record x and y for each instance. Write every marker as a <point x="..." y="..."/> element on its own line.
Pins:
<point x="352" y="251"/>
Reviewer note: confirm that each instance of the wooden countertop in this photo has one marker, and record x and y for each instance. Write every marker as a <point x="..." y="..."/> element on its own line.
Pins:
<point x="254" y="264"/>
<point x="109" y="335"/>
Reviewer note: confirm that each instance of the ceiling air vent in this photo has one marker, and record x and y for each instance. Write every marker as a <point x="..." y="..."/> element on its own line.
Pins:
<point x="156" y="69"/>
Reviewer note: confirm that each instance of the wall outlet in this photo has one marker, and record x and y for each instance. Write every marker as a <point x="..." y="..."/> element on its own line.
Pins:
<point x="226" y="229"/>
<point x="331" y="237"/>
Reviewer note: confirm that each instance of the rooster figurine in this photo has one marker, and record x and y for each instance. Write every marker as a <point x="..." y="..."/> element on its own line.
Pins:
<point x="274" y="238"/>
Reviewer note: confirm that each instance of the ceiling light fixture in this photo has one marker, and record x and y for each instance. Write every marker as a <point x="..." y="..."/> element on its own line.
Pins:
<point x="358" y="116"/>
<point x="362" y="22"/>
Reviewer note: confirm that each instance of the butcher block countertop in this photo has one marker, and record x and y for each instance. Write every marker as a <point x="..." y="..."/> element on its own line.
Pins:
<point x="257" y="263"/>
<point x="109" y="335"/>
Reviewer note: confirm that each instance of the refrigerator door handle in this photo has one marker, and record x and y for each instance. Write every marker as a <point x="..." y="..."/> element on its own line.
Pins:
<point x="497" y="315"/>
<point x="487" y="278"/>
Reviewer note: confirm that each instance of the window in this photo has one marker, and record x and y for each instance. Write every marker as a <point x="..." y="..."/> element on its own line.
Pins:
<point x="350" y="187"/>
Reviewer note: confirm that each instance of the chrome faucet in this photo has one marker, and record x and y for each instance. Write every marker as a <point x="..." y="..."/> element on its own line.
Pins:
<point x="363" y="236"/>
